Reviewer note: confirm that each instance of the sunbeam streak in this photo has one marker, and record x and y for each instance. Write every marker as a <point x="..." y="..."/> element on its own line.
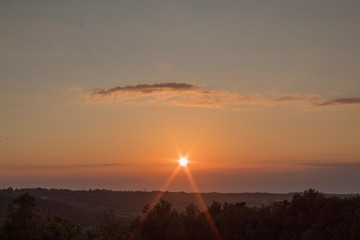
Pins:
<point x="201" y="202"/>
<point x="182" y="164"/>
<point x="156" y="199"/>
<point x="164" y="188"/>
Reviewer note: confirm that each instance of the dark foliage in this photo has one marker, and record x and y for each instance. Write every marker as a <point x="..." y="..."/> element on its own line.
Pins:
<point x="310" y="215"/>
<point x="86" y="207"/>
<point x="163" y="223"/>
<point x="24" y="222"/>
<point x="110" y="229"/>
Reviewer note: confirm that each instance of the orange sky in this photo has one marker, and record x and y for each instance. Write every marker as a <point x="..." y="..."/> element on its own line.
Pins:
<point x="263" y="97"/>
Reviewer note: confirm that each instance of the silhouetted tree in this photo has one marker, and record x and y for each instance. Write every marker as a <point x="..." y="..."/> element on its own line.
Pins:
<point x="193" y="226"/>
<point x="60" y="229"/>
<point x="162" y="223"/>
<point x="309" y="215"/>
<point x="110" y="229"/>
<point x="23" y="221"/>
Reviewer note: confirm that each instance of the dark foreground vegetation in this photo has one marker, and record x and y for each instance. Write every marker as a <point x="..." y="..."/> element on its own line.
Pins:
<point x="310" y="215"/>
<point x="86" y="207"/>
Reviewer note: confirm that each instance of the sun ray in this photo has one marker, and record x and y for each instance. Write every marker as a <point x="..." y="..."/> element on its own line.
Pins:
<point x="165" y="186"/>
<point x="182" y="164"/>
<point x="202" y="203"/>
<point x="156" y="199"/>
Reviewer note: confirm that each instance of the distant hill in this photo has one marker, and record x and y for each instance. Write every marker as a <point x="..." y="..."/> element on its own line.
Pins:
<point x="87" y="207"/>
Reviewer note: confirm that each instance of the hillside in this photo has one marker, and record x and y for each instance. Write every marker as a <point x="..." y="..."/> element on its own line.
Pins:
<point x="87" y="207"/>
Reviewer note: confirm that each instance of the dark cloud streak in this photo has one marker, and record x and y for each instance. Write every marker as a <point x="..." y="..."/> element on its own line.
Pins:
<point x="341" y="101"/>
<point x="70" y="166"/>
<point x="190" y="95"/>
<point x="147" y="88"/>
<point x="350" y="165"/>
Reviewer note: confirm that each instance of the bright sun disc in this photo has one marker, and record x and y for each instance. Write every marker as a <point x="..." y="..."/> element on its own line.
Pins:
<point x="183" y="161"/>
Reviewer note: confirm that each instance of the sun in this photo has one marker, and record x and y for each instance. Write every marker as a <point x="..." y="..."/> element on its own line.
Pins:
<point x="183" y="161"/>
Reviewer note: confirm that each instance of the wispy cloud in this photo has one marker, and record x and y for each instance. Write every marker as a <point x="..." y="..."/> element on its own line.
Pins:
<point x="332" y="164"/>
<point x="65" y="166"/>
<point x="294" y="97"/>
<point x="145" y="88"/>
<point x="341" y="101"/>
<point x="179" y="94"/>
<point x="189" y="94"/>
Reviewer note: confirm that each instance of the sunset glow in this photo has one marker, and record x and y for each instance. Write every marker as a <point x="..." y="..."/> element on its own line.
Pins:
<point x="114" y="95"/>
<point x="183" y="161"/>
<point x="180" y="119"/>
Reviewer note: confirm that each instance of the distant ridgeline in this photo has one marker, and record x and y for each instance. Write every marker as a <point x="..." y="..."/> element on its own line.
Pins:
<point x="40" y="214"/>
<point x="86" y="207"/>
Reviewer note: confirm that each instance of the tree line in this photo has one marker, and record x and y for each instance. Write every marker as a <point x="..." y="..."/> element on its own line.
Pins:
<point x="309" y="215"/>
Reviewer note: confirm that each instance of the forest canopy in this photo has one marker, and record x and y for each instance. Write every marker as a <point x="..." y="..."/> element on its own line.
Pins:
<point x="308" y="215"/>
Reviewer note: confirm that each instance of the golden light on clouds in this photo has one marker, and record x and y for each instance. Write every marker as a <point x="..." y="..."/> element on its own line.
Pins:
<point x="102" y="105"/>
<point x="192" y="95"/>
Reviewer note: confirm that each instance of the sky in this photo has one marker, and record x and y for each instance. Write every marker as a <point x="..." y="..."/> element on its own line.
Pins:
<point x="261" y="96"/>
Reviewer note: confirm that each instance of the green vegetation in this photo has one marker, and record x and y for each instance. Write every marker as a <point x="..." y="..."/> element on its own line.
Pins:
<point x="310" y="215"/>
